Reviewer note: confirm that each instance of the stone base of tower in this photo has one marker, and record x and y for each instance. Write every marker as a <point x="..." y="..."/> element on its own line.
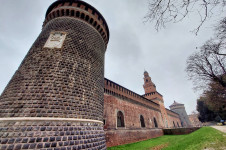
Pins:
<point x="45" y="134"/>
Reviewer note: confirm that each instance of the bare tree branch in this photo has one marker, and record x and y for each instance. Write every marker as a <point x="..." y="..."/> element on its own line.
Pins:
<point x="209" y="63"/>
<point x="161" y="12"/>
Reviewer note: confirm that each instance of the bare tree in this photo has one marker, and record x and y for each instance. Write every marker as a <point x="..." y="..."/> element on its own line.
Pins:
<point x="162" y="12"/>
<point x="209" y="63"/>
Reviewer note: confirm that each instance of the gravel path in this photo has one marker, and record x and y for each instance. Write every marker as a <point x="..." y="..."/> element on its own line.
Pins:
<point x="220" y="128"/>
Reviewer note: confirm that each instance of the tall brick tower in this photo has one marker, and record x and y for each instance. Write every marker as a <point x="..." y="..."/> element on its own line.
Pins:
<point x="55" y="98"/>
<point x="149" y="86"/>
<point x="153" y="95"/>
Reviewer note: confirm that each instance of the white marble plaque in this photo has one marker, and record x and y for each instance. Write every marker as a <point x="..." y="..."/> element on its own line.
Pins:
<point x="55" y="40"/>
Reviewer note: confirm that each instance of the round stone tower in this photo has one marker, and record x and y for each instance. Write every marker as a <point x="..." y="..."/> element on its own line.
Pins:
<point x="180" y="110"/>
<point x="55" y="98"/>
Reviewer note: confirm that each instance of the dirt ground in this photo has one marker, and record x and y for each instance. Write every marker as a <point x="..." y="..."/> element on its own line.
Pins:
<point x="220" y="128"/>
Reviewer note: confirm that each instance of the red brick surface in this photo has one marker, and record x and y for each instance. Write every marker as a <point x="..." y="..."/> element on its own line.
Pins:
<point x="131" y="113"/>
<point x="179" y="131"/>
<point x="123" y="136"/>
<point x="132" y="132"/>
<point x="132" y="105"/>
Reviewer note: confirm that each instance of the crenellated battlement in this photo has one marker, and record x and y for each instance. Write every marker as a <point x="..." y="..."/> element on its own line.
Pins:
<point x="154" y="96"/>
<point x="152" y="93"/>
<point x="115" y="89"/>
<point x="82" y="11"/>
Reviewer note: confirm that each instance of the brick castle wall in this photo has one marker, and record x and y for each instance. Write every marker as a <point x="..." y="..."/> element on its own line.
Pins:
<point x="132" y="105"/>
<point x="117" y="90"/>
<point x="131" y="111"/>
<point x="132" y="132"/>
<point x="180" y="131"/>
<point x="124" y="136"/>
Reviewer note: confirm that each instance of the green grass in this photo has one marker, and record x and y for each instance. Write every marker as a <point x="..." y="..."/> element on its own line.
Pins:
<point x="204" y="138"/>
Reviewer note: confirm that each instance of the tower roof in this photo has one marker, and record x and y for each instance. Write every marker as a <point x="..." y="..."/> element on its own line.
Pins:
<point x="175" y="104"/>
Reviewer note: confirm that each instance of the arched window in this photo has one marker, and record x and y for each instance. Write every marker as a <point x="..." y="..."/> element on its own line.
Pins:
<point x="174" y="124"/>
<point x="87" y="18"/>
<point x="62" y="12"/>
<point x="95" y="23"/>
<point x="182" y="124"/>
<point x="120" y="119"/>
<point x="142" y="121"/>
<point x="91" y="20"/>
<point x="82" y="15"/>
<point x="58" y="13"/>
<point x="155" y="122"/>
<point x="77" y="14"/>
<point x="72" y="12"/>
<point x="67" y="12"/>
<point x="178" y="124"/>
<point x="98" y="27"/>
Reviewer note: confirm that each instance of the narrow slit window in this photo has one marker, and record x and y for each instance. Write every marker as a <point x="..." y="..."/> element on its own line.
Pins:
<point x="67" y="12"/>
<point x="120" y="119"/>
<point x="62" y="12"/>
<point x="155" y="122"/>
<point x="72" y="12"/>
<point x="82" y="15"/>
<point x="142" y="121"/>
<point x="77" y="14"/>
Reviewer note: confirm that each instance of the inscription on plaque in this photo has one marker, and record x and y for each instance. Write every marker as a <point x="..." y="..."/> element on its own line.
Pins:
<point x="55" y="40"/>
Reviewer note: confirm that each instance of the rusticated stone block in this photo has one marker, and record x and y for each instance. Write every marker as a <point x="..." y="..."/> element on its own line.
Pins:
<point x="93" y="134"/>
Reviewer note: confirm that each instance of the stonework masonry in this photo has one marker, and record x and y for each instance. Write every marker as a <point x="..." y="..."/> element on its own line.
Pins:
<point x="53" y="82"/>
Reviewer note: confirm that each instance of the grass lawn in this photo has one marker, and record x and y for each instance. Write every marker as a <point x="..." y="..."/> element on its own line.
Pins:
<point x="204" y="138"/>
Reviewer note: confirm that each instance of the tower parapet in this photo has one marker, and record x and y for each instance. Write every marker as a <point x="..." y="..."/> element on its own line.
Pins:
<point x="56" y="97"/>
<point x="80" y="10"/>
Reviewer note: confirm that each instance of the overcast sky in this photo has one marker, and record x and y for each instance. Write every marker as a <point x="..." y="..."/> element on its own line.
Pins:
<point x="133" y="46"/>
